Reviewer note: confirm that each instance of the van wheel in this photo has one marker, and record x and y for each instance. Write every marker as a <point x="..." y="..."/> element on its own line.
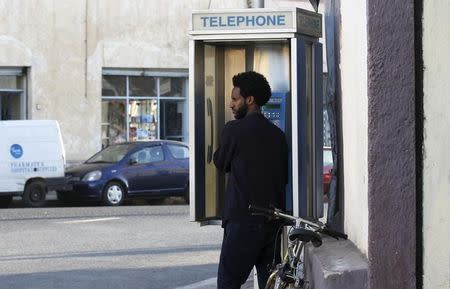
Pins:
<point x="5" y="201"/>
<point x="34" y="194"/>
<point x="113" y="194"/>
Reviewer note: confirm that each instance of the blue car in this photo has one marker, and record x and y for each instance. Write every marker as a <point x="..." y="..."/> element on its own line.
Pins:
<point x="131" y="170"/>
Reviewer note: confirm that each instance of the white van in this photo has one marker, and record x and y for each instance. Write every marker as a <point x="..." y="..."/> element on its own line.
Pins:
<point x="32" y="160"/>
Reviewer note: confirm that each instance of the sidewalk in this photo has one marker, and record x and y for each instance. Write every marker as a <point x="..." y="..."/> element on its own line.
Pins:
<point x="212" y="284"/>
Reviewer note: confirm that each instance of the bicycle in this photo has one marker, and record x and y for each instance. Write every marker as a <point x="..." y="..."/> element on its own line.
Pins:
<point x="290" y="273"/>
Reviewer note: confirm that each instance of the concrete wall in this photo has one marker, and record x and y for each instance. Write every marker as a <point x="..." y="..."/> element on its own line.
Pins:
<point x="133" y="34"/>
<point x="353" y="67"/>
<point x="392" y="147"/>
<point x="48" y="37"/>
<point x="436" y="171"/>
<point x="65" y="45"/>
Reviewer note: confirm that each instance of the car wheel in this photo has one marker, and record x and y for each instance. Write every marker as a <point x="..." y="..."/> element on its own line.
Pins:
<point x="186" y="193"/>
<point x="5" y="201"/>
<point x="113" y="194"/>
<point x="34" y="194"/>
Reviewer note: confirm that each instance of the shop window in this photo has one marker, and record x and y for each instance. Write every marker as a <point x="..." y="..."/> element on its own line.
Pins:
<point x="113" y="85"/>
<point x="172" y="119"/>
<point x="113" y="121"/>
<point x="171" y="86"/>
<point x="143" y="119"/>
<point x="13" y="100"/>
<point x="142" y="86"/>
<point x="142" y="105"/>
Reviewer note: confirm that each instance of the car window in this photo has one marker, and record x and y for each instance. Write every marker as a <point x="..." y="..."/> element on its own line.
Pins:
<point x="327" y="157"/>
<point x="178" y="152"/>
<point x="149" y="155"/>
<point x="110" y="154"/>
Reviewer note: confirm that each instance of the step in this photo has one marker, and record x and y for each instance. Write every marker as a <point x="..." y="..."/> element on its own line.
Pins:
<point x="336" y="264"/>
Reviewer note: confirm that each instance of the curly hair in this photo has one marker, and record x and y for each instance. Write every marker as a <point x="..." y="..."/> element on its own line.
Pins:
<point x="254" y="84"/>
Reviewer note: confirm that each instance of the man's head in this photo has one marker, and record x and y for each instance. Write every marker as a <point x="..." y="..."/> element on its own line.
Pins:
<point x="251" y="91"/>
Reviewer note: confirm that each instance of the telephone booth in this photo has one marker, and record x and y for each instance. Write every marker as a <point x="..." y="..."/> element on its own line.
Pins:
<point x="283" y="46"/>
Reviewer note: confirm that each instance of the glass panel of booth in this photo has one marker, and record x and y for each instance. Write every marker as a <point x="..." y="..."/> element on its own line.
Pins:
<point x="309" y="127"/>
<point x="211" y="129"/>
<point x="221" y="61"/>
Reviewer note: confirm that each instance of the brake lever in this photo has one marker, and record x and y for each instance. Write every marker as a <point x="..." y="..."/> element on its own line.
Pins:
<point x="321" y="232"/>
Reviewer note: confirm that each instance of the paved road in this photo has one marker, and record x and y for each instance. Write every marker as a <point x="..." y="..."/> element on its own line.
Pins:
<point x="151" y="246"/>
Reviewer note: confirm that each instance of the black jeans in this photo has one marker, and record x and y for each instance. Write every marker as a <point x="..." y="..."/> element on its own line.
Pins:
<point x="246" y="245"/>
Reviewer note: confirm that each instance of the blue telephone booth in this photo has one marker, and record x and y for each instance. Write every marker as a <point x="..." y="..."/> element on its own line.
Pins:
<point x="284" y="46"/>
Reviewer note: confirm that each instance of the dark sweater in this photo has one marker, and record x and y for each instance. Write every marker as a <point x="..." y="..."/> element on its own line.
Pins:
<point x="255" y="154"/>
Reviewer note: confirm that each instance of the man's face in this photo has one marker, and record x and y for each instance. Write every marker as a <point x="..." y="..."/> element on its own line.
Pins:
<point x="238" y="104"/>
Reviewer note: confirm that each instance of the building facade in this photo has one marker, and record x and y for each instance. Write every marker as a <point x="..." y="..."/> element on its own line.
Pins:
<point x="108" y="71"/>
<point x="394" y="127"/>
<point x="112" y="71"/>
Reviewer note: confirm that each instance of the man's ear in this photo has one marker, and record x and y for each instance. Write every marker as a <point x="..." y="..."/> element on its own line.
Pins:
<point x="250" y="99"/>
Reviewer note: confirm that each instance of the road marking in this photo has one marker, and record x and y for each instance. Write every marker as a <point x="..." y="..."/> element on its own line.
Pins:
<point x="89" y="220"/>
<point x="207" y="282"/>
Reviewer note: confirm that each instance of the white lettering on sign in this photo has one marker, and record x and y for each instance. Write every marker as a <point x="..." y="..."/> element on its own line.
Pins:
<point x="243" y="20"/>
<point x="239" y="21"/>
<point x="260" y="21"/>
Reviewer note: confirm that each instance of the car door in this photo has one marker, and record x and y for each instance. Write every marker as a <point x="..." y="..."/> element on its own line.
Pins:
<point x="153" y="177"/>
<point x="177" y="165"/>
<point x="136" y="164"/>
<point x="145" y="170"/>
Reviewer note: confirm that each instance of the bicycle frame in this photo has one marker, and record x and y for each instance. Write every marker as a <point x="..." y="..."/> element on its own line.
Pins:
<point x="291" y="272"/>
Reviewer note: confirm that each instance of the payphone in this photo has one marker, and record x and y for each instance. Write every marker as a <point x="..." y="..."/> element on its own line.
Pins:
<point x="282" y="45"/>
<point x="275" y="109"/>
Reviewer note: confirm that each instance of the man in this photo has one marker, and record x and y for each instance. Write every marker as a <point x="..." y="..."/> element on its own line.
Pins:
<point x="254" y="153"/>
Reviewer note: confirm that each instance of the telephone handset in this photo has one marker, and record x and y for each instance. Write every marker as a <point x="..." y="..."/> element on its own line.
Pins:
<point x="211" y="142"/>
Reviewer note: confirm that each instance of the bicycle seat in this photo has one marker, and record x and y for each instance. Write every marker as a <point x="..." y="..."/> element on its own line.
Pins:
<point x="306" y="236"/>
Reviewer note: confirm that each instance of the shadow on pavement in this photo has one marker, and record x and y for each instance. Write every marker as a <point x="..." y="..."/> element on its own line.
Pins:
<point x="136" y="278"/>
<point x="115" y="253"/>
<point x="53" y="202"/>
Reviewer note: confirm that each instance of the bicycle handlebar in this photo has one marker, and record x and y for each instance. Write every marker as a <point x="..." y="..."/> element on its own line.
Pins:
<point x="278" y="213"/>
<point x="264" y="211"/>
